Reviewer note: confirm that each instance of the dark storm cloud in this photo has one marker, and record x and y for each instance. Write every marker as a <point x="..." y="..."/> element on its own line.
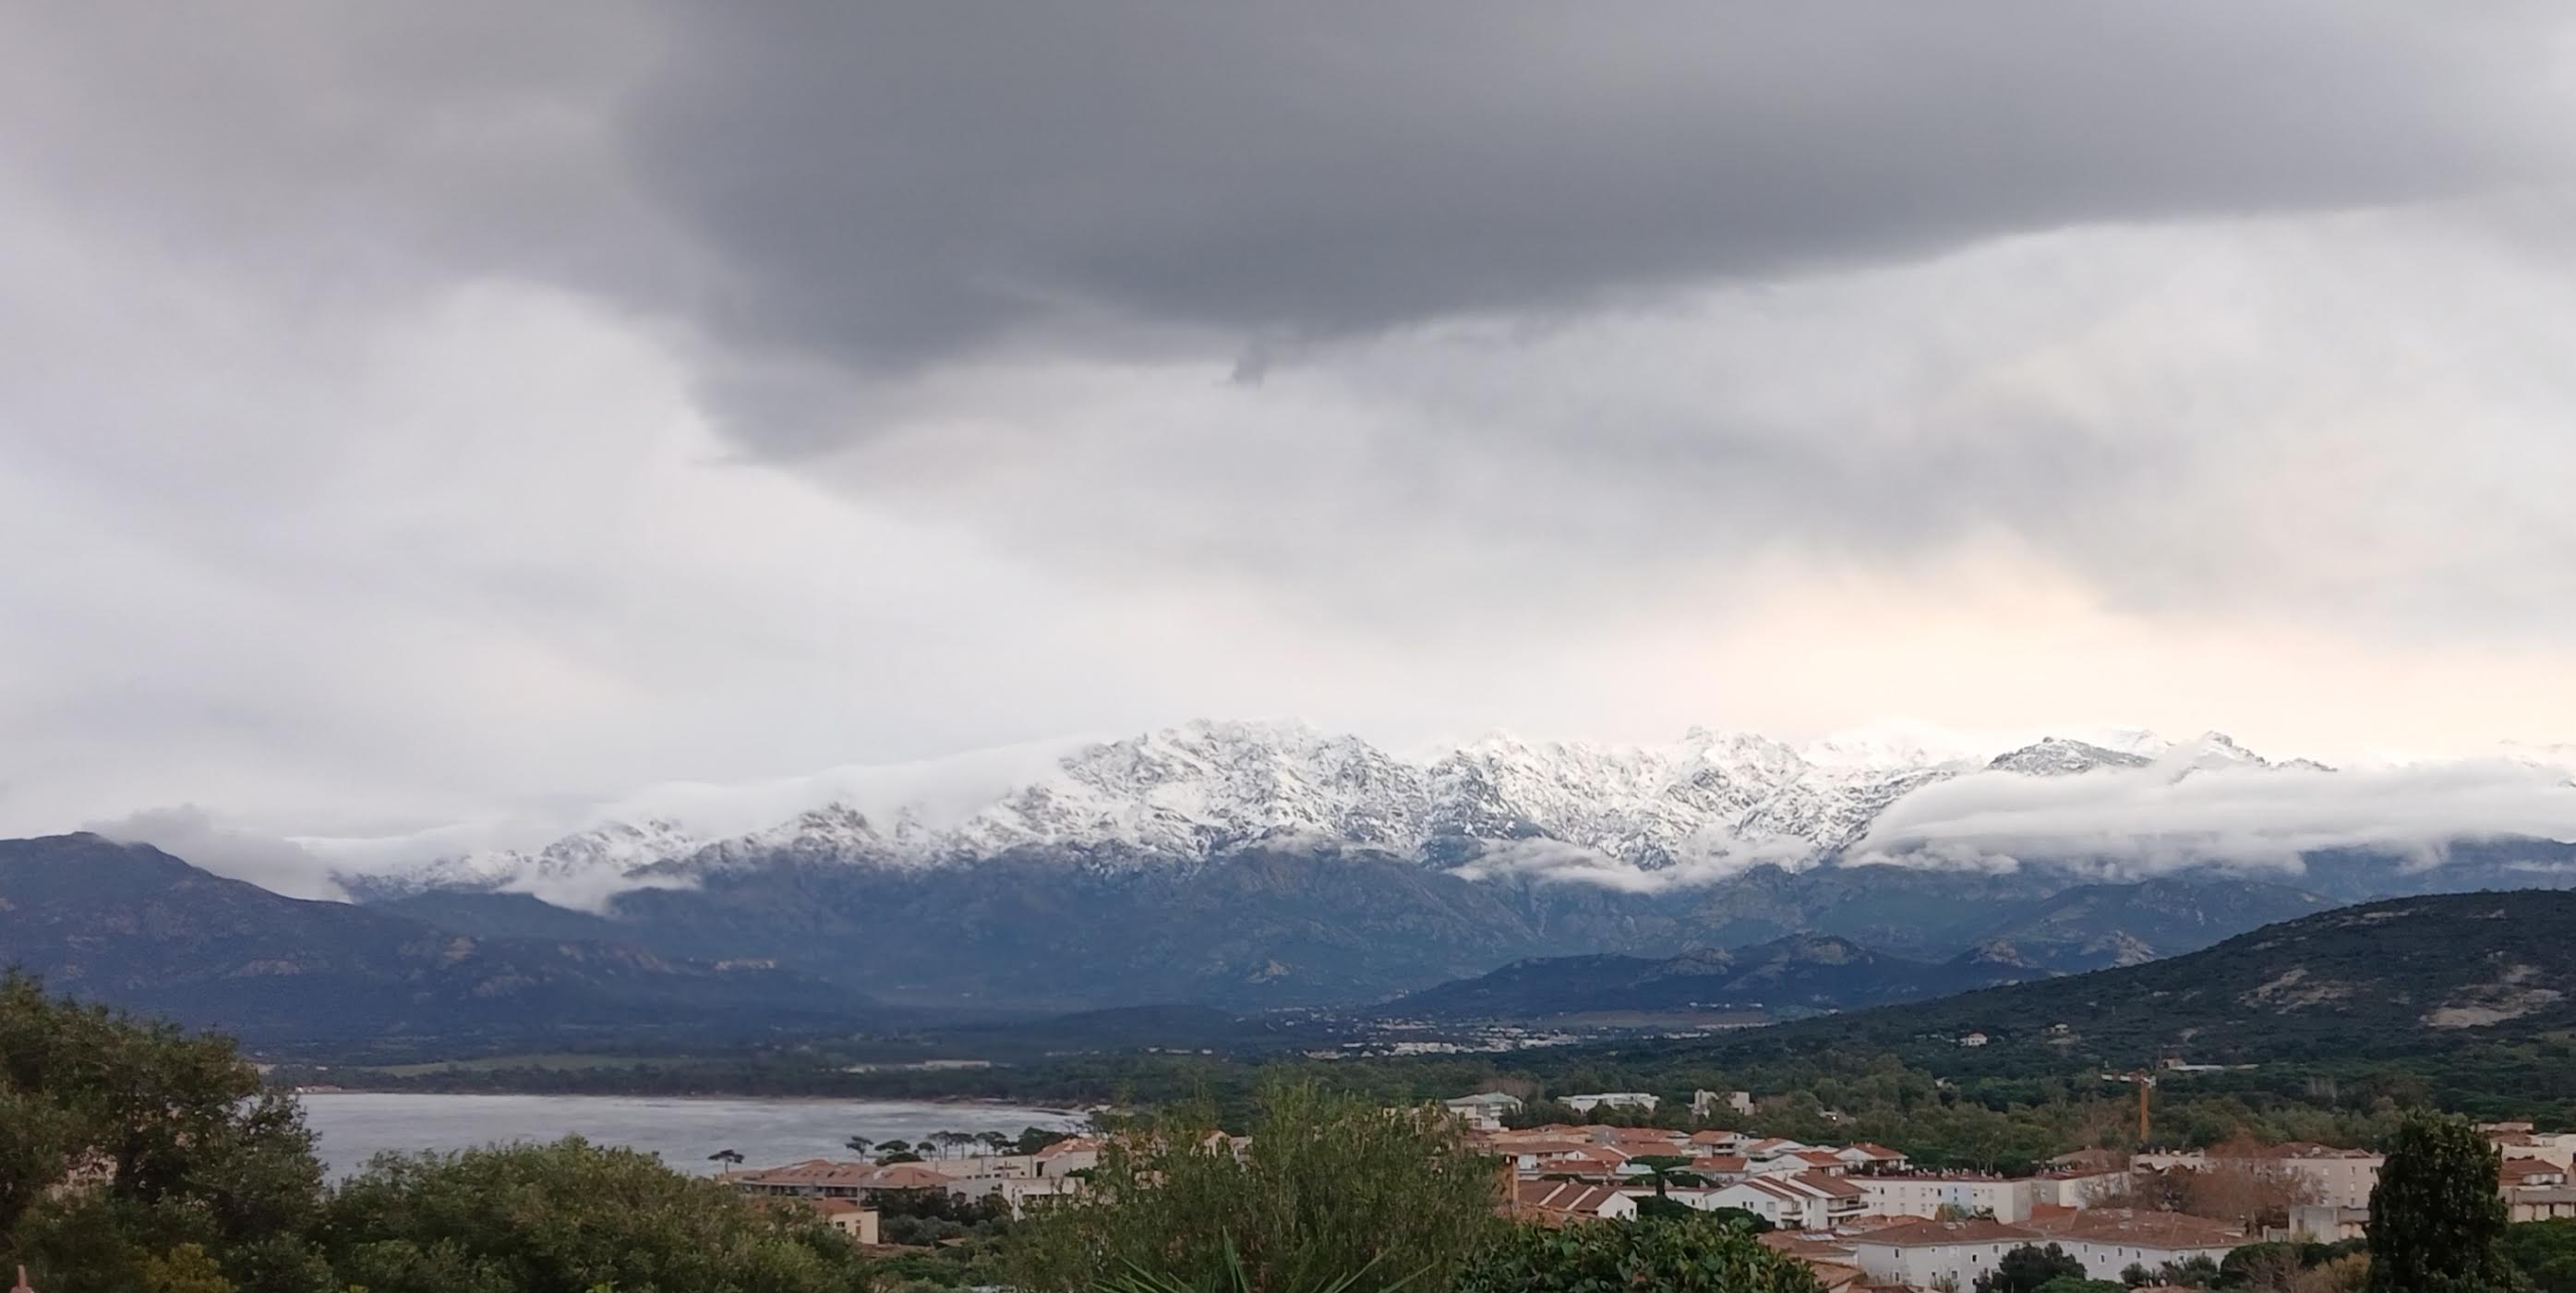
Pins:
<point x="884" y="183"/>
<point x="827" y="193"/>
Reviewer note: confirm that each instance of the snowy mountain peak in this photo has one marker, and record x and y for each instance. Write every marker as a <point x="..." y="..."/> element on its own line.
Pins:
<point x="1713" y="800"/>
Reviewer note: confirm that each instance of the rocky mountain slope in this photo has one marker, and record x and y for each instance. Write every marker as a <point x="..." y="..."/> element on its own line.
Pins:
<point x="132" y="926"/>
<point x="1190" y="793"/>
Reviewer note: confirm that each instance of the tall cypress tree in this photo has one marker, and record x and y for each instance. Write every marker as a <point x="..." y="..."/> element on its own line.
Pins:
<point x="2436" y="1216"/>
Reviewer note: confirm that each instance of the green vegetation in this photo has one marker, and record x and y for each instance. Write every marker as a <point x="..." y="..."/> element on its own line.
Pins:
<point x="566" y="1218"/>
<point x="2545" y="1253"/>
<point x="1697" y="1254"/>
<point x="137" y="1159"/>
<point x="1329" y="1185"/>
<point x="2029" y="1268"/>
<point x="2436" y="1222"/>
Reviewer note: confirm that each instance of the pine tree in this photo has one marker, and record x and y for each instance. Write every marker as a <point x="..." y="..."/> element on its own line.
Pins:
<point x="2436" y="1216"/>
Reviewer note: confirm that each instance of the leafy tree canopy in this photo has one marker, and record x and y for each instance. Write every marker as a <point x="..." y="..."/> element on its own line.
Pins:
<point x="2436" y="1222"/>
<point x="1702" y="1254"/>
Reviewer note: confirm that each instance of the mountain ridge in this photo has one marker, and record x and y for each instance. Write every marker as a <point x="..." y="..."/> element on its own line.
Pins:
<point x="135" y="927"/>
<point x="1710" y="805"/>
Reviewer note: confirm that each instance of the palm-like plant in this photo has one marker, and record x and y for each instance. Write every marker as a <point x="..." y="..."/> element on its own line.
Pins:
<point x="1235" y="1279"/>
<point x="728" y="1157"/>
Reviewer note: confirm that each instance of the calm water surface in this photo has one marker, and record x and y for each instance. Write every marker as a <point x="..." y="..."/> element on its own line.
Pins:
<point x="355" y="1127"/>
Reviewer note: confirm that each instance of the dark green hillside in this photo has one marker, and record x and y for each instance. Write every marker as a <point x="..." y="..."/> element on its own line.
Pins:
<point x="2404" y="976"/>
<point x="131" y="926"/>
<point x="1800" y="973"/>
<point x="2099" y="926"/>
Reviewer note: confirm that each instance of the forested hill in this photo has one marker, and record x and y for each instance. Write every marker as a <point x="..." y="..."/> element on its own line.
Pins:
<point x="2383" y="978"/>
<point x="131" y="926"/>
<point x="1801" y="972"/>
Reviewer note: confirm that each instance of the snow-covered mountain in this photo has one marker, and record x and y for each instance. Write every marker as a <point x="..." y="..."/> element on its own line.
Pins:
<point x="1713" y="801"/>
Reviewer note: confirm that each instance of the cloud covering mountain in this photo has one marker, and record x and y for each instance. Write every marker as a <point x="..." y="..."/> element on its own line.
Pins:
<point x="2123" y="805"/>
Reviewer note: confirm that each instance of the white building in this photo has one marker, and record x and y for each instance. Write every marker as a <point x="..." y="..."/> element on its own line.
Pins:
<point x="1805" y="1201"/>
<point x="1705" y="1104"/>
<point x="1485" y="1110"/>
<point x="2005" y="1199"/>
<point x="2077" y="1187"/>
<point x="2111" y="1240"/>
<point x="1637" y="1100"/>
<point x="2341" y="1178"/>
<point x="1928" y="1254"/>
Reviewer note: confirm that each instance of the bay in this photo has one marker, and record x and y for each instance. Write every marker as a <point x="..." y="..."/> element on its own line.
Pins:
<point x="352" y="1127"/>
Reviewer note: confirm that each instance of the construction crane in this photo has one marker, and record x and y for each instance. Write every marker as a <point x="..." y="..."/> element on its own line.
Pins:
<point x="2146" y="1081"/>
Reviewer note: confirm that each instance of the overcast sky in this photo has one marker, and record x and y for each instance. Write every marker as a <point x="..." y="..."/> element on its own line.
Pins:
<point x="412" y="410"/>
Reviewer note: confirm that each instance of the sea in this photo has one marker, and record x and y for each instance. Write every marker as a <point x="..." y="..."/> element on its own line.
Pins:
<point x="353" y="1127"/>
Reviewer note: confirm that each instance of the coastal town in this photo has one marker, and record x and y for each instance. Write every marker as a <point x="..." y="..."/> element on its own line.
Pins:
<point x="1860" y="1215"/>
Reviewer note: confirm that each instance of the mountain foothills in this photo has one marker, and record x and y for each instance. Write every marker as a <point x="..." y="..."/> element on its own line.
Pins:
<point x="2421" y="975"/>
<point x="133" y="926"/>
<point x="1801" y="972"/>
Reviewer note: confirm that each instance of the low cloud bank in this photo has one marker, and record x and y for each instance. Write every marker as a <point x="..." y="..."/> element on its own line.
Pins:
<point x="2130" y="824"/>
<point x="2147" y="821"/>
<point x="193" y="835"/>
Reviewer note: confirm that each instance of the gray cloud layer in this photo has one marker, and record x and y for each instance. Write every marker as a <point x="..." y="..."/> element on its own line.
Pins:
<point x="445" y="404"/>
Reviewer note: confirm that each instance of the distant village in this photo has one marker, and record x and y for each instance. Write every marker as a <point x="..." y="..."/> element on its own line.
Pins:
<point x="1860" y="1215"/>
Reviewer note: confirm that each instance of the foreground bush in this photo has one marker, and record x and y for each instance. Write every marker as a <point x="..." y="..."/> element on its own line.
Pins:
<point x="1332" y="1190"/>
<point x="567" y="1218"/>
<point x="1694" y="1255"/>
<point x="134" y="1156"/>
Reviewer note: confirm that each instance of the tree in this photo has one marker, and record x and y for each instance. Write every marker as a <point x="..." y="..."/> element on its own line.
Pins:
<point x="728" y="1157"/>
<point x="2545" y="1253"/>
<point x="995" y="1141"/>
<point x="1657" y="1207"/>
<point x="1033" y="1139"/>
<point x="567" y="1218"/>
<point x="2136" y="1274"/>
<point x="1745" y="1218"/>
<point x="1330" y="1185"/>
<point x="2189" y="1273"/>
<point x="2025" y="1269"/>
<point x="1665" y="1170"/>
<point x="2261" y="1268"/>
<point x="1700" y="1254"/>
<point x="859" y="1145"/>
<point x="2079" y="1284"/>
<point x="125" y="1143"/>
<point x="2436" y="1221"/>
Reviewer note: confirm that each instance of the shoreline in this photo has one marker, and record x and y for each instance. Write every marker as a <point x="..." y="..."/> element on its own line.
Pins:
<point x="988" y="1102"/>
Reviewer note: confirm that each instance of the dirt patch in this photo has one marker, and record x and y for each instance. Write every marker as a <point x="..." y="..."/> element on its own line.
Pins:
<point x="2294" y="989"/>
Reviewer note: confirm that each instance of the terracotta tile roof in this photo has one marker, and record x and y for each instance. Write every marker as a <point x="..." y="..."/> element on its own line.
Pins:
<point x="1715" y="1137"/>
<point x="1573" y="1197"/>
<point x="1075" y="1145"/>
<point x="1660" y="1134"/>
<point x="1928" y="1234"/>
<point x="1880" y="1152"/>
<point x="1721" y="1163"/>
<point x="1819" y="1157"/>
<point x="1829" y="1185"/>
